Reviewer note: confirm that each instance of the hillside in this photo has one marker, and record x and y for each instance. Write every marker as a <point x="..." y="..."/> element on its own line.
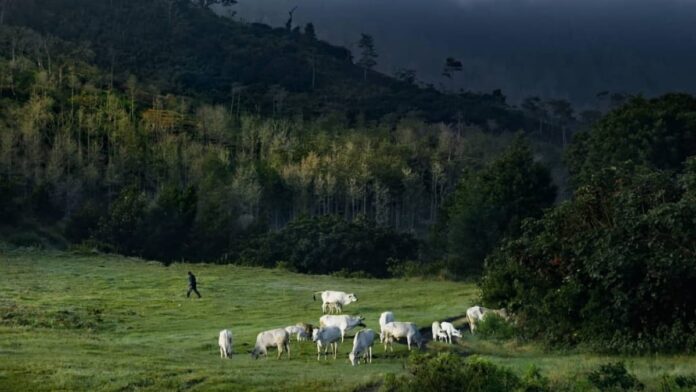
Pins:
<point x="77" y="322"/>
<point x="180" y="49"/>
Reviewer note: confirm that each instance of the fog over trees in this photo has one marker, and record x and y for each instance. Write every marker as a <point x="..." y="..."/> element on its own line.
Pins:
<point x="568" y="49"/>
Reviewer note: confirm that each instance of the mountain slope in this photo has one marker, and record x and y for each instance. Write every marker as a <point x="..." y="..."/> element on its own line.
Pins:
<point x="181" y="49"/>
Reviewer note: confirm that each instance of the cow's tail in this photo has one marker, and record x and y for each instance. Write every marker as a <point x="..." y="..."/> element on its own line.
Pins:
<point x="314" y="295"/>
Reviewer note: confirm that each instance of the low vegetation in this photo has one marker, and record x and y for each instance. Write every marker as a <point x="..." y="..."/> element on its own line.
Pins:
<point x="78" y="322"/>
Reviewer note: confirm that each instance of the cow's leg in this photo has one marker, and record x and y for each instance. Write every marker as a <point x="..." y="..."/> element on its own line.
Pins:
<point x="287" y="347"/>
<point x="408" y="342"/>
<point x="370" y="348"/>
<point x="343" y="334"/>
<point x="318" y="351"/>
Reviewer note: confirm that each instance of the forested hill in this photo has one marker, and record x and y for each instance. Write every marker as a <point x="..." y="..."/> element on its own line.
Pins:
<point x="178" y="47"/>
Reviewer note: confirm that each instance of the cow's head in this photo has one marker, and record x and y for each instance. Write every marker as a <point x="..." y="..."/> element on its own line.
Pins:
<point x="352" y="358"/>
<point x="503" y="313"/>
<point x="361" y="321"/>
<point x="255" y="353"/>
<point x="351" y="298"/>
<point x="308" y="328"/>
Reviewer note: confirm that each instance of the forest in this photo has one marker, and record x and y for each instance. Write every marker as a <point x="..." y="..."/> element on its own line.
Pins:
<point x="193" y="136"/>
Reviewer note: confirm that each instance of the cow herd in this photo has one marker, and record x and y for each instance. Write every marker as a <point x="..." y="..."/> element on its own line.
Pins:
<point x="333" y="328"/>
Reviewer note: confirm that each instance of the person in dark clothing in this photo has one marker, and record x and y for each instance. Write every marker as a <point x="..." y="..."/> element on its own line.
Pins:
<point x="192" y="285"/>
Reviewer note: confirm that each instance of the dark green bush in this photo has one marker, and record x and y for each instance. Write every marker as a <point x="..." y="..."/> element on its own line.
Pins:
<point x="9" y="204"/>
<point x="614" y="377"/>
<point x="495" y="327"/>
<point x="678" y="383"/>
<point x="490" y="204"/>
<point x="614" y="268"/>
<point x="450" y="372"/>
<point x="83" y="223"/>
<point x="330" y="244"/>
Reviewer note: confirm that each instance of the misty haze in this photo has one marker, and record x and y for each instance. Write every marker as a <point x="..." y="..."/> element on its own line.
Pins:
<point x="570" y="49"/>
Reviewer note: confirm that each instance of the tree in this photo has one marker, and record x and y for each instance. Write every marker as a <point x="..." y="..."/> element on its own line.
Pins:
<point x="288" y="23"/>
<point x="658" y="133"/>
<point x="613" y="268"/>
<point x="492" y="203"/>
<point x="452" y="66"/>
<point x="208" y="3"/>
<point x="368" y="54"/>
<point x="535" y="109"/>
<point x="562" y="113"/>
<point x="310" y="32"/>
<point x="406" y="75"/>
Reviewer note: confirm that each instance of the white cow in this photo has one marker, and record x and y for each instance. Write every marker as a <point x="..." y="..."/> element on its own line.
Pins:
<point x="438" y="333"/>
<point x="332" y="308"/>
<point x="339" y="298"/>
<point x="275" y="337"/>
<point x="301" y="331"/>
<point x="448" y="330"/>
<point x="477" y="313"/>
<point x="397" y="330"/>
<point x="384" y="318"/>
<point x="343" y="322"/>
<point x="225" y="343"/>
<point x="362" y="346"/>
<point x="325" y="337"/>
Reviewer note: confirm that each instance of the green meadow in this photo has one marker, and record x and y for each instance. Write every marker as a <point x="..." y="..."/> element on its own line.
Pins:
<point x="91" y="322"/>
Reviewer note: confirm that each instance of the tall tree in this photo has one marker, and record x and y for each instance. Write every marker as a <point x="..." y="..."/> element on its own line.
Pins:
<point x="208" y="3"/>
<point x="492" y="203"/>
<point x="310" y="32"/>
<point x="451" y="67"/>
<point x="563" y="115"/>
<point x="288" y="23"/>
<point x="368" y="54"/>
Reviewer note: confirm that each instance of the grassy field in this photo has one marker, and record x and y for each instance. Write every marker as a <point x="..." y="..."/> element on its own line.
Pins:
<point x="70" y="322"/>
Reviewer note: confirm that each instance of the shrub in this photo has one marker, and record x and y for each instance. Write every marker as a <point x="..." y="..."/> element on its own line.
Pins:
<point x="83" y="223"/>
<point x="534" y="381"/>
<point x="9" y="204"/>
<point x="678" y="383"/>
<point x="449" y="372"/>
<point x="614" y="377"/>
<point x="490" y="204"/>
<point x="612" y="269"/>
<point x="495" y="327"/>
<point x="330" y="244"/>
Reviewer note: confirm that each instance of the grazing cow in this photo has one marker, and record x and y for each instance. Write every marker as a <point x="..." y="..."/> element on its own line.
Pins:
<point x="339" y="298"/>
<point x="343" y="322"/>
<point x="448" y="330"/>
<point x="275" y="337"/>
<point x="384" y="318"/>
<point x="397" y="330"/>
<point x="362" y="346"/>
<point x="438" y="333"/>
<point x="325" y="337"/>
<point x="477" y="313"/>
<point x="225" y="343"/>
<point x="300" y="331"/>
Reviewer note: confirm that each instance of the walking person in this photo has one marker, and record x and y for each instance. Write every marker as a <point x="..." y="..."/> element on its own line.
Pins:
<point x="192" y="285"/>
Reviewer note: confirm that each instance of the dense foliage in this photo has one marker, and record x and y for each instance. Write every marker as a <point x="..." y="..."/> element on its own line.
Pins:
<point x="613" y="268"/>
<point x="450" y="372"/>
<point x="169" y="177"/>
<point x="658" y="133"/>
<point x="331" y="244"/>
<point x="182" y="49"/>
<point x="491" y="203"/>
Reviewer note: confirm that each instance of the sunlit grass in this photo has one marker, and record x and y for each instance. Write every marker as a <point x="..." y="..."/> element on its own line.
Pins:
<point x="114" y="323"/>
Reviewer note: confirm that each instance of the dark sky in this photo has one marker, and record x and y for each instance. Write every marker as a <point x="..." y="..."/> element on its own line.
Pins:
<point x="554" y="48"/>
